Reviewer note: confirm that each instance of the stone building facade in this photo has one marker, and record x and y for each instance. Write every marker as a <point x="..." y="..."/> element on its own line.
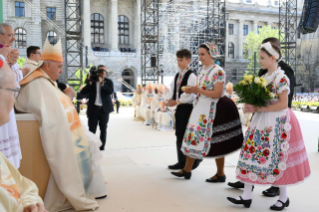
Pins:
<point x="112" y="31"/>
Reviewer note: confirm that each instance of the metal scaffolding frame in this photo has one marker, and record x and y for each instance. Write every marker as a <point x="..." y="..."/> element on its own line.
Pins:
<point x="149" y="40"/>
<point x="288" y="30"/>
<point x="73" y="39"/>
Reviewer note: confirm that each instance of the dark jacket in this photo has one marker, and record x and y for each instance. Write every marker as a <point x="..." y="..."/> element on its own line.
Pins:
<point x="290" y="74"/>
<point x="106" y="91"/>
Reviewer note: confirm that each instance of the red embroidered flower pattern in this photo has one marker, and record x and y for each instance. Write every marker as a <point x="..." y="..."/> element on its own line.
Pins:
<point x="263" y="138"/>
<point x="208" y="138"/>
<point x="246" y="147"/>
<point x="276" y="171"/>
<point x="243" y="171"/>
<point x="193" y="142"/>
<point x="284" y="135"/>
<point x="186" y="150"/>
<point x="267" y="139"/>
<point x="266" y="152"/>
<point x="189" y="137"/>
<point x="204" y="154"/>
<point x="252" y="149"/>
<point x="251" y="137"/>
<point x="204" y="88"/>
<point x="205" y="121"/>
<point x="220" y="73"/>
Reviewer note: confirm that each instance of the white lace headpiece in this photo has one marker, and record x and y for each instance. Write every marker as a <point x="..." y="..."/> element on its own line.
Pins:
<point x="270" y="50"/>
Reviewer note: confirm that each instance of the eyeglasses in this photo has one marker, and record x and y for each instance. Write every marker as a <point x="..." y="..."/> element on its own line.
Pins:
<point x="11" y="35"/>
<point x="15" y="91"/>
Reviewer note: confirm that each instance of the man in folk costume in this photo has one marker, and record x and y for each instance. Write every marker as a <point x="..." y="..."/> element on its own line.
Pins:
<point x="162" y="115"/>
<point x="64" y="142"/>
<point x="184" y="103"/>
<point x="147" y="98"/>
<point x="136" y="102"/>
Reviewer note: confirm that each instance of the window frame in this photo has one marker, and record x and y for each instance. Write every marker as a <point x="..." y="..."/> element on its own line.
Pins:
<point x="245" y="28"/>
<point x="123" y="31"/>
<point x="231" y="45"/>
<point x="19" y="8"/>
<point x="230" y="29"/>
<point x="234" y="74"/>
<point x="55" y="36"/>
<point x="100" y="27"/>
<point x="18" y="41"/>
<point x="52" y="14"/>
<point x="259" y="27"/>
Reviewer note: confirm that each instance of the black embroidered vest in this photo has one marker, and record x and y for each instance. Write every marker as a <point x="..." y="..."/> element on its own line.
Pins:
<point x="184" y="83"/>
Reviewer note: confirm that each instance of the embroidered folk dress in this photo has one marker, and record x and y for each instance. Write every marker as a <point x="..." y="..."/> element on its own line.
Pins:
<point x="273" y="151"/>
<point x="214" y="128"/>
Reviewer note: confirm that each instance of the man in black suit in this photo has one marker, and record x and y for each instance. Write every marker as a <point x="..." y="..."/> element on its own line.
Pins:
<point x="274" y="191"/>
<point x="116" y="101"/>
<point x="100" y="102"/>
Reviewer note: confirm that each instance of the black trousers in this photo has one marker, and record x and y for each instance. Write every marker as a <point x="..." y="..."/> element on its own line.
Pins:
<point x="117" y="106"/>
<point x="99" y="117"/>
<point x="182" y="115"/>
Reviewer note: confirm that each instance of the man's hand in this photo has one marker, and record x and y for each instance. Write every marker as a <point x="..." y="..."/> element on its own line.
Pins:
<point x="69" y="92"/>
<point x="35" y="208"/>
<point x="192" y="89"/>
<point x="13" y="57"/>
<point x="5" y="51"/>
<point x="171" y="103"/>
<point x="25" y="71"/>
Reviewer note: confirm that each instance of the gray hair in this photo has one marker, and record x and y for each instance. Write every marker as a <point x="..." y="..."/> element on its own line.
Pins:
<point x="2" y="25"/>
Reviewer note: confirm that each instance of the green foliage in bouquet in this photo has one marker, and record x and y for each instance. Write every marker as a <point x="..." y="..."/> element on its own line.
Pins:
<point x="21" y="61"/>
<point x="253" y="90"/>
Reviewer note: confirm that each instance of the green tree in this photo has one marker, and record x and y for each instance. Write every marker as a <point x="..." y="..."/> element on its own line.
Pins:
<point x="253" y="43"/>
<point x="77" y="75"/>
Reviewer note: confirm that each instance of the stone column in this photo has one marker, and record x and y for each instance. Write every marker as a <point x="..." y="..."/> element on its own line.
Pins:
<point x="86" y="18"/>
<point x="240" y="39"/>
<point x="114" y="26"/>
<point x="138" y="27"/>
<point x="226" y="40"/>
<point x="255" y="27"/>
<point x="269" y="24"/>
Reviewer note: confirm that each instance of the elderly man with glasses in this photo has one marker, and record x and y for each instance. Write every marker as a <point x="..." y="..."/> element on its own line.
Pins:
<point x="9" y="138"/>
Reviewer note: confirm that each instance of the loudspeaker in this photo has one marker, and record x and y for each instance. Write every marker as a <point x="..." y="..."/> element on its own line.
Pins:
<point x="309" y="20"/>
<point x="153" y="61"/>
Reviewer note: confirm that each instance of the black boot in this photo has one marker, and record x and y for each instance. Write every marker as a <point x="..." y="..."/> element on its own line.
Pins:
<point x="246" y="203"/>
<point x="276" y="208"/>
<point x="186" y="175"/>
<point x="176" y="166"/>
<point x="271" y="192"/>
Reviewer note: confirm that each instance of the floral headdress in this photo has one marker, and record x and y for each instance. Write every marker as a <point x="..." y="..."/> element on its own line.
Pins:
<point x="213" y="49"/>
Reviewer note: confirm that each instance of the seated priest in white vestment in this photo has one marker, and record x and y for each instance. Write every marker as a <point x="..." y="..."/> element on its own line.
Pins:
<point x="147" y="98"/>
<point x="162" y="115"/>
<point x="64" y="142"/>
<point x="17" y="193"/>
<point x="136" y="102"/>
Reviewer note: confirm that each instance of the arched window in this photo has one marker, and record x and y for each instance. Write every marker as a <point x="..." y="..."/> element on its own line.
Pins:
<point x="97" y="28"/>
<point x="123" y="30"/>
<point x="231" y="51"/>
<point x="53" y="38"/>
<point x="21" y="38"/>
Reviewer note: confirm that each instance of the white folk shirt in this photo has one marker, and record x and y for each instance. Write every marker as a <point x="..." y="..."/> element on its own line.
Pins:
<point x="98" y="98"/>
<point x="184" y="98"/>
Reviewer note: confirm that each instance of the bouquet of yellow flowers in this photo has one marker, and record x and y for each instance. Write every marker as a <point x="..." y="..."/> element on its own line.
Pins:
<point x="253" y="90"/>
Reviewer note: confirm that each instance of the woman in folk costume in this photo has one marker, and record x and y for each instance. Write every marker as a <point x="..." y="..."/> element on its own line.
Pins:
<point x="136" y="102"/>
<point x="273" y="151"/>
<point x="214" y="129"/>
<point x="146" y="104"/>
<point x="162" y="116"/>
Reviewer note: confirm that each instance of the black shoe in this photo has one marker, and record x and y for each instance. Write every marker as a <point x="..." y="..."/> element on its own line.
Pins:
<point x="196" y="163"/>
<point x="102" y="148"/>
<point x="186" y="175"/>
<point x="102" y="197"/>
<point x="218" y="180"/>
<point x="271" y="192"/>
<point x="246" y="203"/>
<point x="276" y="208"/>
<point x="176" y="166"/>
<point x="238" y="185"/>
